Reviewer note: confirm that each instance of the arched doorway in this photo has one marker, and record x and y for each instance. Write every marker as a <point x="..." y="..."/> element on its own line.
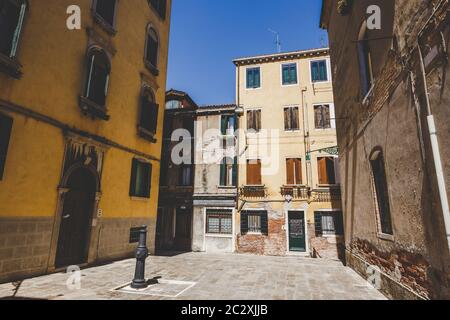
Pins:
<point x="76" y="216"/>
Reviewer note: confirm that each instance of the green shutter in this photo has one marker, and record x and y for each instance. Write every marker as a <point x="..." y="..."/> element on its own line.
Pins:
<point x="223" y="169"/>
<point x="223" y="124"/>
<point x="264" y="223"/>
<point x="244" y="223"/>
<point x="133" y="178"/>
<point x="257" y="78"/>
<point x="235" y="172"/>
<point x="318" y="223"/>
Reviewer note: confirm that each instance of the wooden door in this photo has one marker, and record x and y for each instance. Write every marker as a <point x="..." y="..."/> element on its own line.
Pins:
<point x="183" y="229"/>
<point x="75" y="227"/>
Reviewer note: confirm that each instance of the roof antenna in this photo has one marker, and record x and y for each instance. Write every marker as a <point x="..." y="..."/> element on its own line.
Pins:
<point x="277" y="41"/>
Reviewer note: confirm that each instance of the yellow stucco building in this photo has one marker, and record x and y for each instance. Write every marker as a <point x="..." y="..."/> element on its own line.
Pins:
<point x="80" y="130"/>
<point x="289" y="195"/>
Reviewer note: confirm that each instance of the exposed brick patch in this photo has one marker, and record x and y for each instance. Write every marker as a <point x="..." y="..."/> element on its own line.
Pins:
<point x="274" y="244"/>
<point x="325" y="247"/>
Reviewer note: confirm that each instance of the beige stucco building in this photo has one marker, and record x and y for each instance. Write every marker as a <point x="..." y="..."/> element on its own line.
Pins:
<point x="289" y="195"/>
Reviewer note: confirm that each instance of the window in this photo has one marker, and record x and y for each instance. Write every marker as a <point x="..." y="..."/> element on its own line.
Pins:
<point x="254" y="173"/>
<point x="328" y="223"/>
<point x="151" y="51"/>
<point x="319" y="72"/>
<point x="294" y="171"/>
<point x="254" y="120"/>
<point x="326" y="168"/>
<point x="148" y="121"/>
<point x="379" y="182"/>
<point x="323" y="117"/>
<point x="365" y="61"/>
<point x="291" y="119"/>
<point x="98" y="77"/>
<point x="141" y="175"/>
<point x="12" y="13"/>
<point x="185" y="179"/>
<point x="254" y="222"/>
<point x="106" y="10"/>
<point x="219" y="222"/>
<point x="253" y="78"/>
<point x="228" y="125"/>
<point x="228" y="172"/>
<point x="173" y="104"/>
<point x="289" y="74"/>
<point x="5" y="135"/>
<point x="160" y="7"/>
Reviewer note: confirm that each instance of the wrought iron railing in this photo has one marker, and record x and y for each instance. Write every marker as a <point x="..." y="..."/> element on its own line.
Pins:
<point x="253" y="191"/>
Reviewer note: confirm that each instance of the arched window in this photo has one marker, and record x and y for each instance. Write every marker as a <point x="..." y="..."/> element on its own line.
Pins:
<point x="381" y="192"/>
<point x="365" y="60"/>
<point x="98" y="77"/>
<point x="12" y="13"/>
<point x="106" y="10"/>
<point x="151" y="50"/>
<point x="148" y="120"/>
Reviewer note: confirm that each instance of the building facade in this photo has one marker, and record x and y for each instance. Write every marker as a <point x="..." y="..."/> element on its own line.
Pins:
<point x="215" y="188"/>
<point x="289" y="195"/>
<point x="80" y="131"/>
<point x="175" y="207"/>
<point x="389" y="61"/>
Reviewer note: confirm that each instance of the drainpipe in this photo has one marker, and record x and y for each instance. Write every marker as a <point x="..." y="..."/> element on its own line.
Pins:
<point x="435" y="144"/>
<point x="306" y="133"/>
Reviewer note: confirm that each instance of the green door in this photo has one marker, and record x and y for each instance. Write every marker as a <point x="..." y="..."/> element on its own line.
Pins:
<point x="297" y="239"/>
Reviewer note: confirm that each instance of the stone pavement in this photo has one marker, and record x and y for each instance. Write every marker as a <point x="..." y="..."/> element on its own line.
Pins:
<point x="217" y="277"/>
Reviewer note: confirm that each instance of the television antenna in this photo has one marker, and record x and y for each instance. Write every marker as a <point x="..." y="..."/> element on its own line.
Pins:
<point x="277" y="39"/>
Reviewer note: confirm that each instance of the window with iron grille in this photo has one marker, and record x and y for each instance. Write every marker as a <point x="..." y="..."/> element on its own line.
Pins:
<point x="254" y="222"/>
<point x="219" y="222"/>
<point x="328" y="223"/>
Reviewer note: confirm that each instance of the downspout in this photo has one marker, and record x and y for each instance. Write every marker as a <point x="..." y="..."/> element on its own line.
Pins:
<point x="435" y="147"/>
<point x="306" y="134"/>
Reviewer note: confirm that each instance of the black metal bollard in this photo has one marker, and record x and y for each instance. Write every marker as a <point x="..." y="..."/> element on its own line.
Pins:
<point x="139" y="281"/>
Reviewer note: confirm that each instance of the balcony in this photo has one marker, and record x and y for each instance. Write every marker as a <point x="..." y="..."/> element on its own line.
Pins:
<point x="296" y="192"/>
<point x="254" y="192"/>
<point x="328" y="194"/>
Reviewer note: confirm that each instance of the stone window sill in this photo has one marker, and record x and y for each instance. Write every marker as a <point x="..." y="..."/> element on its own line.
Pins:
<point x="153" y="70"/>
<point x="10" y="66"/>
<point x="104" y="25"/>
<point x="142" y="199"/>
<point x="146" y="134"/>
<point x="89" y="107"/>
<point x="387" y="237"/>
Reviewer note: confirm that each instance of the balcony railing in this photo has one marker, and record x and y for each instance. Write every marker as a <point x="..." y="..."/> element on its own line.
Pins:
<point x="296" y="192"/>
<point x="326" y="194"/>
<point x="253" y="191"/>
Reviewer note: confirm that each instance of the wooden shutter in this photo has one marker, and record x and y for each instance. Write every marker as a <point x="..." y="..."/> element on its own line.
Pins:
<point x="5" y="135"/>
<point x="244" y="223"/>
<point x="298" y="171"/>
<point x="318" y="223"/>
<point x="326" y="116"/>
<point x="223" y="169"/>
<point x="250" y="116"/>
<point x="331" y="176"/>
<point x="290" y="163"/>
<point x="287" y="119"/>
<point x="294" y="118"/>
<point x="264" y="223"/>
<point x="235" y="172"/>
<point x="318" y="117"/>
<point x="258" y="120"/>
<point x="133" y="178"/>
<point x="148" y="181"/>
<point x="254" y="172"/>
<point x="322" y="170"/>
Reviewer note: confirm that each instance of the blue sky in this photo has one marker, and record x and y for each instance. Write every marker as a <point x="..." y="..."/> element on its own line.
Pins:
<point x="206" y="35"/>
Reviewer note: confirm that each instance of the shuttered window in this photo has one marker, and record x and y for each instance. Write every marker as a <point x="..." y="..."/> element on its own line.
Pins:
<point x="319" y="71"/>
<point x="365" y="64"/>
<point x="219" y="221"/>
<point x="381" y="192"/>
<point x="326" y="170"/>
<point x="322" y="116"/>
<point x="151" y="52"/>
<point x="141" y="173"/>
<point x="254" y="120"/>
<point x="5" y="135"/>
<point x="328" y="223"/>
<point x="294" y="171"/>
<point x="254" y="222"/>
<point x="291" y="118"/>
<point x="289" y="74"/>
<point x="228" y="172"/>
<point x="106" y="10"/>
<point x="254" y="173"/>
<point x="185" y="178"/>
<point x="149" y="112"/>
<point x="12" y="14"/>
<point x="98" y="77"/>
<point x="228" y="125"/>
<point x="253" y="78"/>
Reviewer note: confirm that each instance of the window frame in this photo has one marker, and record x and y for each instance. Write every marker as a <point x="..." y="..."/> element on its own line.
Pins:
<point x="297" y="83"/>
<point x="298" y="118"/>
<point x="335" y="169"/>
<point x="258" y="163"/>
<point x="225" y="167"/>
<point x="162" y="16"/>
<point x="327" y="65"/>
<point x="149" y="64"/>
<point x="256" y="122"/>
<point x="144" y="132"/>
<point x="368" y="63"/>
<point x="263" y="219"/>
<point x="332" y="116"/>
<point x="221" y="214"/>
<point x="296" y="160"/>
<point x="106" y="26"/>
<point x="133" y="179"/>
<point x="246" y="77"/>
<point x="339" y="223"/>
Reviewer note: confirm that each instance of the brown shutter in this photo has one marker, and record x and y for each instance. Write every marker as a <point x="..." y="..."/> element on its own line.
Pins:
<point x="298" y="171"/>
<point x="250" y="120"/>
<point x="290" y="171"/>
<point x="331" y="174"/>
<point x="326" y="116"/>
<point x="287" y="119"/>
<point x="318" y="116"/>
<point x="254" y="172"/>
<point x="322" y="170"/>
<point x="258" y="120"/>
<point x="294" y="125"/>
